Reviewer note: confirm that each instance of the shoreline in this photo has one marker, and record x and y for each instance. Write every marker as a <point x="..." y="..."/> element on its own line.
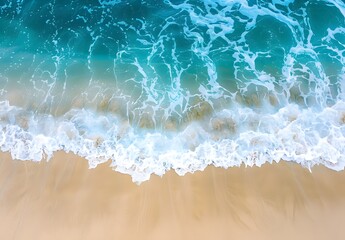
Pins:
<point x="62" y="198"/>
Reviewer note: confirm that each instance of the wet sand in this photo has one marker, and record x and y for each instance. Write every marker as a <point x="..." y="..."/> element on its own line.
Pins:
<point x="63" y="199"/>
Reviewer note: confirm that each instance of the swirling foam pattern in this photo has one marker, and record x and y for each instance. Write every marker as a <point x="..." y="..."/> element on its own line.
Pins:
<point x="159" y="85"/>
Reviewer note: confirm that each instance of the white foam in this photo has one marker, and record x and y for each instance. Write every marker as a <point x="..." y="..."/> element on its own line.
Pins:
<point x="222" y="134"/>
<point x="305" y="136"/>
<point x="109" y="2"/>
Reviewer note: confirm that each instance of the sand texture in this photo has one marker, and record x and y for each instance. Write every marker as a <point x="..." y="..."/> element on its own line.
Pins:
<point x="63" y="199"/>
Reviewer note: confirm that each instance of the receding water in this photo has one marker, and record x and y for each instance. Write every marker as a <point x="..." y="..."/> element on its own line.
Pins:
<point x="159" y="85"/>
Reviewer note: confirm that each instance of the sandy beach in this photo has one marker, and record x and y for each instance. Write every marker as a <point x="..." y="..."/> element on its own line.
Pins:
<point x="160" y="85"/>
<point x="63" y="199"/>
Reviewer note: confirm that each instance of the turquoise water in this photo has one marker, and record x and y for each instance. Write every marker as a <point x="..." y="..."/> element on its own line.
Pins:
<point x="159" y="85"/>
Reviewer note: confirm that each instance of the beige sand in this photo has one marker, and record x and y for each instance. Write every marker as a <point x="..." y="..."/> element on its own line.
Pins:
<point x="63" y="199"/>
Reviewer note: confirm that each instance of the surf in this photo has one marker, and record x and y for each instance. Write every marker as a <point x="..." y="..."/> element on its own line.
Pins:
<point x="152" y="87"/>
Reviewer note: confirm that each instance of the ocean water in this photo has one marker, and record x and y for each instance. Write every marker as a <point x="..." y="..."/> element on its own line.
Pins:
<point x="159" y="85"/>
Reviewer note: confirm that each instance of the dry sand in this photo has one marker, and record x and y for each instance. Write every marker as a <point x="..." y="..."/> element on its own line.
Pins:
<point x="63" y="199"/>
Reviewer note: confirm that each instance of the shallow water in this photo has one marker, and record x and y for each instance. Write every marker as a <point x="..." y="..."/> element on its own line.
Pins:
<point x="162" y="85"/>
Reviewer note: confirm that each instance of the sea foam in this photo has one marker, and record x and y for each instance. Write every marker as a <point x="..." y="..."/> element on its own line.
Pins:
<point x="157" y="85"/>
<point x="228" y="138"/>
